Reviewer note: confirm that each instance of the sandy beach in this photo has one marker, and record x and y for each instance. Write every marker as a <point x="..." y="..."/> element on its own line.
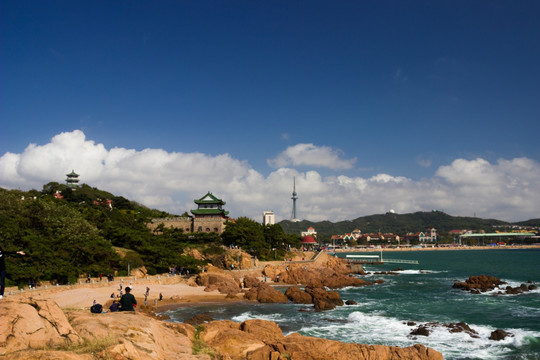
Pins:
<point x="174" y="290"/>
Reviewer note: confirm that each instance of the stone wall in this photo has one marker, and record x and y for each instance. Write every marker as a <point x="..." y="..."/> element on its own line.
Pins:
<point x="189" y="224"/>
<point x="180" y="222"/>
<point x="209" y="224"/>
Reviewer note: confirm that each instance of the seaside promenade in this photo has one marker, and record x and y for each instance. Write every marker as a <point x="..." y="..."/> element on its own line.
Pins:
<point x="442" y="248"/>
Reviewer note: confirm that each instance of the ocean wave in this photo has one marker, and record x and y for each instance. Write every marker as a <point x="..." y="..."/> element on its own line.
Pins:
<point x="276" y="317"/>
<point x="378" y="329"/>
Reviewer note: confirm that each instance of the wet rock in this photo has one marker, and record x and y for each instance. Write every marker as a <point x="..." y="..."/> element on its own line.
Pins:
<point x="499" y="334"/>
<point x="421" y="330"/>
<point x="481" y="283"/>
<point x="462" y="327"/>
<point x="532" y="287"/>
<point x="351" y="302"/>
<point x="411" y="323"/>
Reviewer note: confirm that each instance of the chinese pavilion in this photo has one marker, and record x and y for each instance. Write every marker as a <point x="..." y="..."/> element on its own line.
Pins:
<point x="72" y="179"/>
<point x="209" y="215"/>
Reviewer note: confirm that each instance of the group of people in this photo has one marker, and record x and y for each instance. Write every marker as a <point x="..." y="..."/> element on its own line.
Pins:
<point x="127" y="302"/>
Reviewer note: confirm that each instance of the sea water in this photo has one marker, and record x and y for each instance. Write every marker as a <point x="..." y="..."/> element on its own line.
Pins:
<point x="421" y="294"/>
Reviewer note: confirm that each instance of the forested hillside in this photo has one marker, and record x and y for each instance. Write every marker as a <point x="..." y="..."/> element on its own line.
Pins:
<point x="64" y="238"/>
<point x="67" y="233"/>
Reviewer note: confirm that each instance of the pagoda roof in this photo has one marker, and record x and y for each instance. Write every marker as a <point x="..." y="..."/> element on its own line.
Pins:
<point x="209" y="212"/>
<point x="72" y="173"/>
<point x="209" y="199"/>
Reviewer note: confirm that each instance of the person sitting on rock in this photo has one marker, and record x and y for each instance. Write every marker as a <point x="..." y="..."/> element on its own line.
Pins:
<point x="127" y="301"/>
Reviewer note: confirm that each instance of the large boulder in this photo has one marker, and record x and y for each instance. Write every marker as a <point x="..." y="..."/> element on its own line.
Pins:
<point x="224" y="283"/>
<point x="134" y="335"/>
<point x="264" y="293"/>
<point x="324" y="300"/>
<point x="298" y="296"/>
<point x="335" y="274"/>
<point x="251" y="281"/>
<point x="34" y="323"/>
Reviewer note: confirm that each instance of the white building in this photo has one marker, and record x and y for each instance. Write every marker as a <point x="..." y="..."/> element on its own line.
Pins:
<point x="310" y="231"/>
<point x="269" y="218"/>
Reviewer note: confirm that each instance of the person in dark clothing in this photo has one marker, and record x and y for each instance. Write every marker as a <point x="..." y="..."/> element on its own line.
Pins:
<point x="115" y="306"/>
<point x="3" y="268"/>
<point x="127" y="301"/>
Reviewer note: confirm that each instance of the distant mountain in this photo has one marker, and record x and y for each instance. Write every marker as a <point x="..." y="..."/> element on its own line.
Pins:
<point x="396" y="223"/>
<point x="532" y="222"/>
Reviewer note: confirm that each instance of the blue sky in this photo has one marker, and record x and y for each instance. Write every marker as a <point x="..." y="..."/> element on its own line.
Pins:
<point x="377" y="105"/>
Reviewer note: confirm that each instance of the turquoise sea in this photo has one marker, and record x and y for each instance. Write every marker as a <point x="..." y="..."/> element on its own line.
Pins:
<point x="420" y="293"/>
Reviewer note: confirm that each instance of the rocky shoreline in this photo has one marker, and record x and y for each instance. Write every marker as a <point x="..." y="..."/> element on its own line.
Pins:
<point x="36" y="327"/>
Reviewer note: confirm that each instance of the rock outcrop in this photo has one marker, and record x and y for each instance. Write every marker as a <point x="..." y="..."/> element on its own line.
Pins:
<point x="260" y="339"/>
<point x="334" y="278"/>
<point x="324" y="300"/>
<point x="224" y="283"/>
<point x="36" y="324"/>
<point x="264" y="293"/>
<point x="38" y="329"/>
<point x="479" y="283"/>
<point x="298" y="296"/>
<point x="483" y="283"/>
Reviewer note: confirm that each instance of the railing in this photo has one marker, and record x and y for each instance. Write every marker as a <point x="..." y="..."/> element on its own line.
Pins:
<point x="401" y="261"/>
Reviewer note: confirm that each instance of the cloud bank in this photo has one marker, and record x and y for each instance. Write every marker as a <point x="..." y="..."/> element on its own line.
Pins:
<point x="508" y="189"/>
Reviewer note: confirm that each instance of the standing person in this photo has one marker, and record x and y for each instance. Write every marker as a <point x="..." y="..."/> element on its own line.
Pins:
<point x="127" y="301"/>
<point x="3" y="268"/>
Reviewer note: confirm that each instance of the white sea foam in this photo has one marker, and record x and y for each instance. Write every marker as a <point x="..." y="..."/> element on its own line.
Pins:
<point x="416" y="272"/>
<point x="378" y="329"/>
<point x="249" y="316"/>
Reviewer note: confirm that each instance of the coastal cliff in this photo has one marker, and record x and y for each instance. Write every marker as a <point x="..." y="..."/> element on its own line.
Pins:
<point x="35" y="328"/>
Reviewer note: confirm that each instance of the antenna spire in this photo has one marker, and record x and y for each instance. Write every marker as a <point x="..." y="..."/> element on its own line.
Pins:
<point x="294" y="197"/>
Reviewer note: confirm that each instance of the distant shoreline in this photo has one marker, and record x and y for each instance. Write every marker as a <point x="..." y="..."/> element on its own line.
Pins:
<point x="486" y="247"/>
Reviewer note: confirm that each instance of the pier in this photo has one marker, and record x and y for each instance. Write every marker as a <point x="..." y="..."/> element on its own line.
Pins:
<point x="377" y="260"/>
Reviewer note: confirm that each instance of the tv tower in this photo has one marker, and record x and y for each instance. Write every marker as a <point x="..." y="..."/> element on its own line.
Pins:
<point x="294" y="197"/>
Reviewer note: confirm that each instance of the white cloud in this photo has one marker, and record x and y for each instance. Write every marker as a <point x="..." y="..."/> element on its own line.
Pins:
<point x="508" y="189"/>
<point x="311" y="155"/>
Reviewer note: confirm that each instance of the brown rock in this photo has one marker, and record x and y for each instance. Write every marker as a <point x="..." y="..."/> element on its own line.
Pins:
<point x="298" y="347"/>
<point x="499" y="334"/>
<point x="224" y="283"/>
<point x="298" y="296"/>
<point x="199" y="319"/>
<point x="266" y="331"/>
<point x="324" y="300"/>
<point x="251" y="281"/>
<point x="480" y="283"/>
<point x="267" y="294"/>
<point x="228" y="339"/>
<point x="421" y="330"/>
<point x="462" y="327"/>
<point x="34" y="323"/>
